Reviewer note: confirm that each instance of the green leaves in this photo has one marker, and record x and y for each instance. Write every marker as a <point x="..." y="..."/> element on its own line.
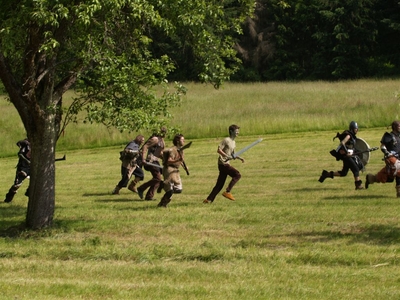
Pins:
<point x="112" y="52"/>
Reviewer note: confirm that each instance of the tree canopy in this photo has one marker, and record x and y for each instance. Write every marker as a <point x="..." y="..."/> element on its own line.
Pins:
<point x="320" y="40"/>
<point x="111" y="52"/>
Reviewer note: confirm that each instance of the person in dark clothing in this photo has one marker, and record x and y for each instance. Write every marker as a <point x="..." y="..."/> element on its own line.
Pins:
<point x="390" y="146"/>
<point x="344" y="152"/>
<point x="23" y="169"/>
<point x="130" y="166"/>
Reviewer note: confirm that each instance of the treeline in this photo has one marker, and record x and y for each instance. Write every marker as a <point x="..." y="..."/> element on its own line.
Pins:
<point x="313" y="40"/>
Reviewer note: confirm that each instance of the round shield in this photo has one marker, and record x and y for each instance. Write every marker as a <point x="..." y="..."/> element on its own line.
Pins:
<point x="362" y="146"/>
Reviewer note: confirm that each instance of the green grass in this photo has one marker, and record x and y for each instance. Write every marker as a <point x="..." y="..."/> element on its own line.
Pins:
<point x="287" y="236"/>
<point x="259" y="108"/>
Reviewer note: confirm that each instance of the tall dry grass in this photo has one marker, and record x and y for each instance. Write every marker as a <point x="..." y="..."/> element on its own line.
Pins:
<point x="259" y="108"/>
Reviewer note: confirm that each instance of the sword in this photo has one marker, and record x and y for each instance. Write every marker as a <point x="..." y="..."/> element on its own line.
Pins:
<point x="61" y="158"/>
<point x="183" y="162"/>
<point x="154" y="165"/>
<point x="185" y="146"/>
<point x="235" y="155"/>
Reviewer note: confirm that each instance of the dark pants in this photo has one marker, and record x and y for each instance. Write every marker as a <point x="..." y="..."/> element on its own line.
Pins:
<point x="138" y="172"/>
<point x="153" y="183"/>
<point x="21" y="174"/>
<point x="349" y="163"/>
<point x="224" y="172"/>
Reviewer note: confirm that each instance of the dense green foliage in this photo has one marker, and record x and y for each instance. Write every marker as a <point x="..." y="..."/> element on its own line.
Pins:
<point x="316" y="39"/>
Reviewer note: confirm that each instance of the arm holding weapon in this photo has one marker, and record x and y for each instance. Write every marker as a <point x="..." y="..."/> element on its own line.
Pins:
<point x="386" y="153"/>
<point x="238" y="157"/>
<point x="180" y="151"/>
<point x="145" y="149"/>
<point x="227" y="157"/>
<point x="28" y="161"/>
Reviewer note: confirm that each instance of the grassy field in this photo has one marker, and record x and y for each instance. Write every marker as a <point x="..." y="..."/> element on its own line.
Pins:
<point x="259" y="108"/>
<point x="286" y="236"/>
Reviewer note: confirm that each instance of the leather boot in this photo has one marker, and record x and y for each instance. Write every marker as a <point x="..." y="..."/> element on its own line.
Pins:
<point x="165" y="199"/>
<point x="164" y="202"/>
<point x="132" y="186"/>
<point x="116" y="190"/>
<point x="160" y="187"/>
<point x="10" y="195"/>
<point x="369" y="179"/>
<point x="398" y="191"/>
<point x="325" y="174"/>
<point x="358" y="185"/>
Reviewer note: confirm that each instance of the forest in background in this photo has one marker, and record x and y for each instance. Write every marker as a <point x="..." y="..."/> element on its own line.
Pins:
<point x="310" y="40"/>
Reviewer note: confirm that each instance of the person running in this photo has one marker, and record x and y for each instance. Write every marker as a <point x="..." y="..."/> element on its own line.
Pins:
<point x="23" y="169"/>
<point x="390" y="146"/>
<point x="152" y="151"/>
<point x="226" y="149"/>
<point x="130" y="166"/>
<point x="344" y="152"/>
<point x="172" y="159"/>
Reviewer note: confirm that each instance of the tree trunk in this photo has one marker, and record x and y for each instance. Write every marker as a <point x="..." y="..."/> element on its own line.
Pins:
<point x="41" y="202"/>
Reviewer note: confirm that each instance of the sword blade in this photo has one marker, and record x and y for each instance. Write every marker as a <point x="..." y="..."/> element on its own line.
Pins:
<point x="154" y="165"/>
<point x="59" y="159"/>
<point x="185" y="146"/>
<point x="246" y="148"/>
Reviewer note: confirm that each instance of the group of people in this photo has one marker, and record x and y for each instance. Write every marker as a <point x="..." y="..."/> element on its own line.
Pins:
<point x="139" y="155"/>
<point x="165" y="176"/>
<point x="349" y="155"/>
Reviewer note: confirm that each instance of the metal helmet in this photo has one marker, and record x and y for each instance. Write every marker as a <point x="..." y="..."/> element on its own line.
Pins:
<point x="353" y="125"/>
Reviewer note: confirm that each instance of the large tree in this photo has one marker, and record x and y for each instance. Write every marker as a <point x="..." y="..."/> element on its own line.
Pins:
<point x="104" y="49"/>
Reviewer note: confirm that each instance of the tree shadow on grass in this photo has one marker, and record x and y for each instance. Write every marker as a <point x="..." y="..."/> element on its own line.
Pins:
<point x="121" y="200"/>
<point x="9" y="214"/>
<point x="314" y="189"/>
<point x="376" y="234"/>
<point x="355" y="197"/>
<point x="98" y="194"/>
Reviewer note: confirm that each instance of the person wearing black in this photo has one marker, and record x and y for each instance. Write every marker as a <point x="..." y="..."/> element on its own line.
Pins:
<point x="390" y="146"/>
<point x="130" y="165"/>
<point x="152" y="152"/>
<point x="23" y="169"/>
<point x="344" y="152"/>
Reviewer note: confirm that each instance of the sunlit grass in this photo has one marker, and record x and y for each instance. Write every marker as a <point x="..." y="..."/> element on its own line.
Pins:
<point x="287" y="236"/>
<point x="259" y="108"/>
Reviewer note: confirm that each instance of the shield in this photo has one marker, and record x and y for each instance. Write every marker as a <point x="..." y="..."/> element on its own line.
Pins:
<point x="362" y="146"/>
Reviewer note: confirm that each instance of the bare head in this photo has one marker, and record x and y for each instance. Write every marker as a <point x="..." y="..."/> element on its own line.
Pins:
<point x="179" y="140"/>
<point x="233" y="130"/>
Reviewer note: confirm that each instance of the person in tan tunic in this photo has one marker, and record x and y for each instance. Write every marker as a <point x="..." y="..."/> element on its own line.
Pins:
<point x="152" y="152"/>
<point x="173" y="158"/>
<point x="226" y="149"/>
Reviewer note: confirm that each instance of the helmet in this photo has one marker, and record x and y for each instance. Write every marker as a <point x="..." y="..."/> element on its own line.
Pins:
<point x="353" y="125"/>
